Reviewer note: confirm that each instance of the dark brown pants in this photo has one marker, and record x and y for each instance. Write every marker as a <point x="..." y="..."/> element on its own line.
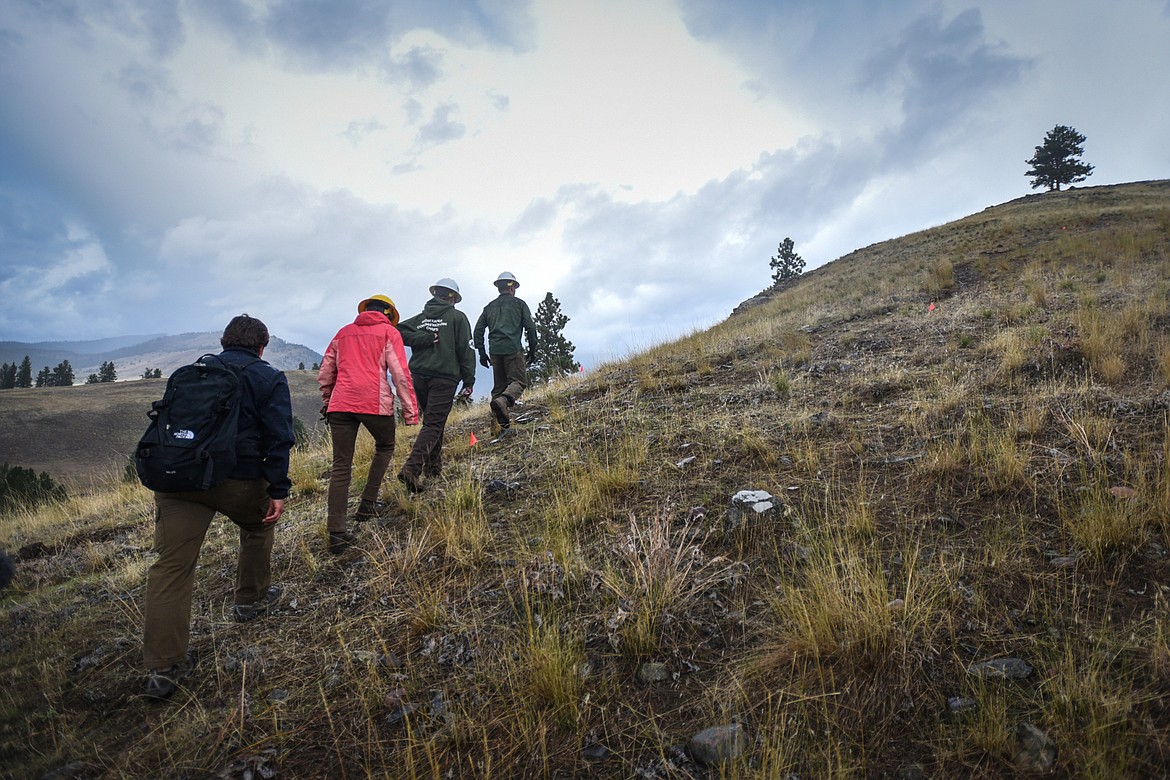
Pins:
<point x="181" y="523"/>
<point x="509" y="376"/>
<point x="343" y="430"/>
<point x="435" y="397"/>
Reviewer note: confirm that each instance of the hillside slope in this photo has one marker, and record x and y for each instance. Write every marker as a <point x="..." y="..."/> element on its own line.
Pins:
<point x="83" y="435"/>
<point x="959" y="570"/>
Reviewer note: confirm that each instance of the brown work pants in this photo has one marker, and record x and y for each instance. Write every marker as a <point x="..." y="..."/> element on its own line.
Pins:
<point x="343" y="430"/>
<point x="509" y="376"/>
<point x="435" y="395"/>
<point x="181" y="523"/>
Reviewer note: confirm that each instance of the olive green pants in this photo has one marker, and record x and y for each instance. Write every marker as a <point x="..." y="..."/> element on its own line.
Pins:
<point x="181" y="523"/>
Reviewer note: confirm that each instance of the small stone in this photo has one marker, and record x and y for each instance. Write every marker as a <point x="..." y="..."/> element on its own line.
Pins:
<point x="718" y="744"/>
<point x="278" y="695"/>
<point x="653" y="671"/>
<point x="1035" y="750"/>
<point x="1065" y="561"/>
<point x="1121" y="491"/>
<point x="595" y="753"/>
<point x="685" y="461"/>
<point x="1001" y="669"/>
<point x="746" y="503"/>
<point x="957" y="705"/>
<point x="897" y="605"/>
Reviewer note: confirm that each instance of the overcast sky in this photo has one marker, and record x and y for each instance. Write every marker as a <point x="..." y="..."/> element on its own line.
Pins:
<point x="166" y="164"/>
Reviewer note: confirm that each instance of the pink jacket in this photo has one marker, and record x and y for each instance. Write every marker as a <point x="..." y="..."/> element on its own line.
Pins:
<point x="353" y="375"/>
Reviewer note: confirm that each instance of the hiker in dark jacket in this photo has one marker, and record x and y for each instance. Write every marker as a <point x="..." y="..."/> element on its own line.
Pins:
<point x="441" y="356"/>
<point x="252" y="497"/>
<point x="506" y="318"/>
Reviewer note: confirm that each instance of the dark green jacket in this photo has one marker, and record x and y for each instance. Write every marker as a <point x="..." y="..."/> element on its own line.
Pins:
<point x="452" y="357"/>
<point x="506" y="318"/>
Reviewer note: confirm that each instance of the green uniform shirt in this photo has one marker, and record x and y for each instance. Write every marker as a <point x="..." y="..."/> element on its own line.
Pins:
<point x="452" y="357"/>
<point x="507" y="317"/>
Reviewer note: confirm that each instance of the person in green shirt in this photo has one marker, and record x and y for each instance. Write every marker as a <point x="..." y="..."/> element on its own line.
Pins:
<point x="439" y="338"/>
<point x="506" y="319"/>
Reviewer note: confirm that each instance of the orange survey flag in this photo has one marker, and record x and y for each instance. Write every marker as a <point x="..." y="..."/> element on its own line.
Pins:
<point x="473" y="441"/>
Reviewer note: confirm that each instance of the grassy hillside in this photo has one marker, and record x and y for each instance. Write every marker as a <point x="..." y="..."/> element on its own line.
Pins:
<point x="83" y="435"/>
<point x="964" y="573"/>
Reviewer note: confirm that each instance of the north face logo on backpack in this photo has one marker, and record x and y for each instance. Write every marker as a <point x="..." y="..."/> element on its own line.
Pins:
<point x="184" y="434"/>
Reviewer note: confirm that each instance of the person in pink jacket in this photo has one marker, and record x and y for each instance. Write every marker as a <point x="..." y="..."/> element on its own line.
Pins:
<point x="356" y="392"/>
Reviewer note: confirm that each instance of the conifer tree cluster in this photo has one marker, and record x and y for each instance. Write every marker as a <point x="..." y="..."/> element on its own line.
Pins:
<point x="61" y="376"/>
<point x="12" y="375"/>
<point x="106" y="373"/>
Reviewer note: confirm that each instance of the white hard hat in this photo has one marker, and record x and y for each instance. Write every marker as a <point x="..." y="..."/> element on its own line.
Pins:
<point x="446" y="284"/>
<point x="506" y="277"/>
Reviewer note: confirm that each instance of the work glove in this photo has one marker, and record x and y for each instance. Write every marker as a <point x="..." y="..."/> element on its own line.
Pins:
<point x="484" y="360"/>
<point x="325" y="411"/>
<point x="466" y="391"/>
<point x="530" y="356"/>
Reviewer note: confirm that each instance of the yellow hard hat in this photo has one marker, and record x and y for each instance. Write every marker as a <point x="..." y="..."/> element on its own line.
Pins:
<point x="391" y="312"/>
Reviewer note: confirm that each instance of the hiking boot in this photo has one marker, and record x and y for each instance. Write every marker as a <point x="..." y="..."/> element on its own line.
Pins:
<point x="413" y="485"/>
<point x="368" y="510"/>
<point x="162" y="683"/>
<point x="339" y="541"/>
<point x="500" y="411"/>
<point x="247" y="612"/>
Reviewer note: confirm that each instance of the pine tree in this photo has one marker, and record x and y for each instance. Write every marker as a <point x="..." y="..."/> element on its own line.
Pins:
<point x="24" y="377"/>
<point x="554" y="353"/>
<point x="62" y="375"/>
<point x="786" y="264"/>
<point x="1056" y="160"/>
<point x="8" y="376"/>
<point x="92" y="379"/>
<point x="45" y="377"/>
<point x="107" y="372"/>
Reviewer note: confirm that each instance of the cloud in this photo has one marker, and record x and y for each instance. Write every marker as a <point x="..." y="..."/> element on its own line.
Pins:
<point x="54" y="276"/>
<point x="440" y="128"/>
<point x="940" y="74"/>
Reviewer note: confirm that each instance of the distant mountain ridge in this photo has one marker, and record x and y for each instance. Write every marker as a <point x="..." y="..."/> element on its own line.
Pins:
<point x="132" y="355"/>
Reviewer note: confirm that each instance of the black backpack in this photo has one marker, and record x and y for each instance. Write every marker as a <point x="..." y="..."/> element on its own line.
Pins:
<point x="190" y="443"/>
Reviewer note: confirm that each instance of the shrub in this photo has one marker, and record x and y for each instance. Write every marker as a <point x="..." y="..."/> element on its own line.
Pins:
<point x="22" y="487"/>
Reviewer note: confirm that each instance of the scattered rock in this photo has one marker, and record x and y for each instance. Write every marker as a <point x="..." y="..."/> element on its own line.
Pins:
<point x="595" y="752"/>
<point x="897" y="605"/>
<point x="1065" y="561"/>
<point x="747" y="503"/>
<point x="1001" y="669"/>
<point x="957" y="705"/>
<point x="1120" y="491"/>
<point x="685" y="462"/>
<point x="1035" y="750"/>
<point x="500" y="486"/>
<point x="718" y="744"/>
<point x="652" y="672"/>
<point x="278" y="695"/>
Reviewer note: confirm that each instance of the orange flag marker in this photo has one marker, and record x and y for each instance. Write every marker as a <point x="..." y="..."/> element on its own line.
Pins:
<point x="473" y="441"/>
<point x="931" y="306"/>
